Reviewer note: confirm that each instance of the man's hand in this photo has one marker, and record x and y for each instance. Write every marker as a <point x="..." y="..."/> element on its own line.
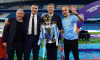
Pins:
<point x="61" y="31"/>
<point x="54" y="41"/>
<point x="40" y="29"/>
<point x="6" y="22"/>
<point x="73" y="9"/>
<point x="5" y="44"/>
<point x="46" y="41"/>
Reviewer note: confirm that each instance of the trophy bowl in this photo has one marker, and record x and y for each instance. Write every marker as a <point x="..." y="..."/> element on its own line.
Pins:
<point x="48" y="29"/>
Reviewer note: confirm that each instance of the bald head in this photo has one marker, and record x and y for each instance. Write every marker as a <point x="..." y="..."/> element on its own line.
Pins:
<point x="65" y="11"/>
<point x="65" y="7"/>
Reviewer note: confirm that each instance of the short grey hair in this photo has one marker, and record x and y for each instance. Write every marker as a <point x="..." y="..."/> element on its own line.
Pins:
<point x="51" y="4"/>
<point x="20" y="9"/>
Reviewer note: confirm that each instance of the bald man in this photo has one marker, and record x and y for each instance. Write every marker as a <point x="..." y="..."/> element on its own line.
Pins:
<point x="13" y="36"/>
<point x="69" y="23"/>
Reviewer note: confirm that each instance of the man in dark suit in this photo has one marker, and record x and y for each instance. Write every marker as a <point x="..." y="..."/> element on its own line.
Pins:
<point x="32" y="31"/>
<point x="51" y="47"/>
<point x="13" y="36"/>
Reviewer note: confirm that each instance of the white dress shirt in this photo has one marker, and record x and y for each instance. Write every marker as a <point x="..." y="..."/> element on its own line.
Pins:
<point x="50" y="15"/>
<point x="30" y="25"/>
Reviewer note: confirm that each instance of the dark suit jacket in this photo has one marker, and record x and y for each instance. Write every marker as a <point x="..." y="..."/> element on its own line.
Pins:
<point x="55" y="18"/>
<point x="9" y="31"/>
<point x="26" y="20"/>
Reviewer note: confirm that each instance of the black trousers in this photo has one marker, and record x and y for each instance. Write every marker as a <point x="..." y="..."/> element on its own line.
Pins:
<point x="51" y="51"/>
<point x="31" y="43"/>
<point x="18" y="47"/>
<point x="71" y="45"/>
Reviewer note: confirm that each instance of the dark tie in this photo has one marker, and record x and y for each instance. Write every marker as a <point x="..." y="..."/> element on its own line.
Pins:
<point x="33" y="25"/>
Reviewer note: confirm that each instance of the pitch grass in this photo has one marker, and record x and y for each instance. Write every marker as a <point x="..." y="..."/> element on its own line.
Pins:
<point x="0" y="31"/>
<point x="91" y="41"/>
<point x="94" y="32"/>
<point x="31" y="58"/>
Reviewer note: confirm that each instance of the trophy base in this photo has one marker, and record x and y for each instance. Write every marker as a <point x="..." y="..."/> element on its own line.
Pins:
<point x="50" y="41"/>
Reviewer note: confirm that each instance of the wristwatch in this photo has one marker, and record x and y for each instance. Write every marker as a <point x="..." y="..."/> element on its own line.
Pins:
<point x="77" y="14"/>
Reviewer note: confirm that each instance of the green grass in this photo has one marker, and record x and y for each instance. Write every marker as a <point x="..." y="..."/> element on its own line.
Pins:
<point x="42" y="43"/>
<point x="40" y="58"/>
<point x="94" y="32"/>
<point x="80" y="42"/>
<point x="0" y="31"/>
<point x="90" y="41"/>
<point x="31" y="58"/>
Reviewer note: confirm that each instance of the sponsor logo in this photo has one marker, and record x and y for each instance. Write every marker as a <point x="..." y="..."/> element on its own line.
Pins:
<point x="94" y="8"/>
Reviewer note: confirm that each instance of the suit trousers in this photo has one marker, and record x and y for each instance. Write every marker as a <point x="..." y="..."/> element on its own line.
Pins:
<point x="71" y="45"/>
<point x="51" y="51"/>
<point x="31" y="43"/>
<point x="18" y="47"/>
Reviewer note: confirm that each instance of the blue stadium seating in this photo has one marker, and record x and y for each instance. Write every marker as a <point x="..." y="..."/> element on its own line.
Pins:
<point x="89" y="26"/>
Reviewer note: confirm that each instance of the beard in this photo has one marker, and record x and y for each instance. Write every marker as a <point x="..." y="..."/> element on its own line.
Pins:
<point x="66" y="15"/>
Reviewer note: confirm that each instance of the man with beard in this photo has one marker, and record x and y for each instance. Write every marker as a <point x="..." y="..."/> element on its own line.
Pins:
<point x="69" y="23"/>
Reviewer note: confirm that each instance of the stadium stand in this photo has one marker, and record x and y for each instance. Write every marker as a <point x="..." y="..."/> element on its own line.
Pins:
<point x="21" y="7"/>
<point x="1" y="24"/>
<point x="10" y="7"/>
<point x="90" y="26"/>
<point x="77" y="6"/>
<point x="4" y="15"/>
<point x="43" y="5"/>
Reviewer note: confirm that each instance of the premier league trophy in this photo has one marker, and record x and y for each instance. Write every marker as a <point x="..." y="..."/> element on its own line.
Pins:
<point x="49" y="32"/>
<point x="48" y="29"/>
